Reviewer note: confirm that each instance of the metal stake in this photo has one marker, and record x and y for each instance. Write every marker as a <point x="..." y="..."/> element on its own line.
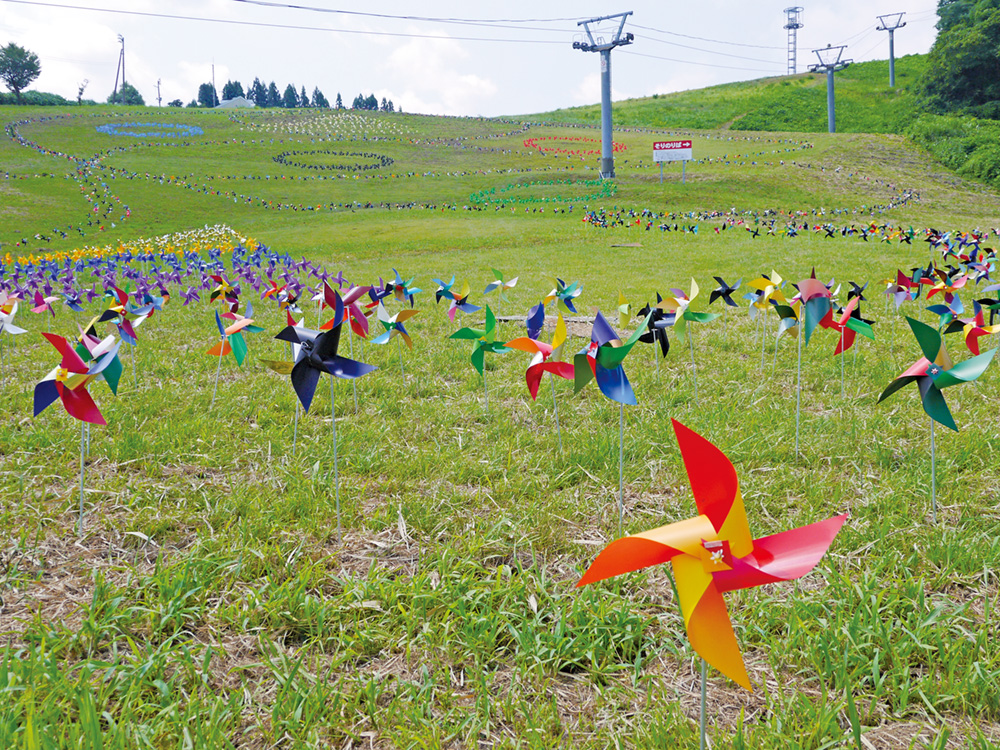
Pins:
<point x="933" y="478"/>
<point x="83" y="427"/>
<point x="354" y="381"/>
<point x="295" y="434"/>
<point x="336" y="474"/>
<point x="621" y="465"/>
<point x="798" y="393"/>
<point x="704" y="681"/>
<point x="400" y="347"/>
<point x="216" y="388"/>
<point x="694" y="372"/>
<point x="555" y="410"/>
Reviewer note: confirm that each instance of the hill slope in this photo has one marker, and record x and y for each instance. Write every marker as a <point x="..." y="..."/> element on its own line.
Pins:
<point x="865" y="103"/>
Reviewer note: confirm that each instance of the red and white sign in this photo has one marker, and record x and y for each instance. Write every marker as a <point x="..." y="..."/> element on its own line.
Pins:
<point x="672" y="151"/>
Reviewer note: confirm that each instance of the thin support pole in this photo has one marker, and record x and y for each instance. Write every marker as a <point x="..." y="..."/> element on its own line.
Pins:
<point x="295" y="433"/>
<point x="694" y="371"/>
<point x="555" y="410"/>
<point x="763" y="343"/>
<point x="400" y="347"/>
<point x="83" y="429"/>
<point x="354" y="381"/>
<point x="486" y="393"/>
<point x="621" y="466"/>
<point x="774" y="363"/>
<point x="841" y="362"/>
<point x="933" y="479"/>
<point x="217" y="369"/>
<point x="798" y="394"/>
<point x="336" y="473"/>
<point x="704" y="681"/>
<point x="135" y="379"/>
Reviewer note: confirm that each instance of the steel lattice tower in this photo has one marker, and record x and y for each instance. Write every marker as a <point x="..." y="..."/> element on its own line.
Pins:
<point x="793" y="25"/>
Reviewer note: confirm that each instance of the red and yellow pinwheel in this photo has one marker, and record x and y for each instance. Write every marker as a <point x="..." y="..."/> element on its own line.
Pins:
<point x="68" y="382"/>
<point x="547" y="357"/>
<point x="714" y="553"/>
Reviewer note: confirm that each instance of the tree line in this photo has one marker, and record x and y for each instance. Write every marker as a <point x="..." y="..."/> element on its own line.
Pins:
<point x="269" y="96"/>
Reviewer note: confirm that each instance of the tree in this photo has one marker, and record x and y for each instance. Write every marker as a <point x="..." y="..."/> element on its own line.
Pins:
<point x="303" y="99"/>
<point x="290" y="100"/>
<point x="80" y="89"/>
<point x="371" y="103"/>
<point x="273" y="97"/>
<point x="207" y="96"/>
<point x="340" y="102"/>
<point x="191" y="104"/>
<point x="18" y="68"/>
<point x="963" y="71"/>
<point x="126" y="94"/>
<point x="258" y="92"/>
<point x="319" y="100"/>
<point x="384" y="106"/>
<point x="232" y="89"/>
<point x="175" y="103"/>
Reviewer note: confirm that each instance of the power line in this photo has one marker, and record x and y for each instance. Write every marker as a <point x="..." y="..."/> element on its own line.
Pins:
<point x="445" y="19"/>
<point x="708" y="51"/>
<point x="261" y="24"/>
<point x="705" y="65"/>
<point x="704" y="39"/>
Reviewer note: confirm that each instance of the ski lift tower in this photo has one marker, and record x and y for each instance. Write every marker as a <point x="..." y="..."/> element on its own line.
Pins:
<point x="599" y="45"/>
<point x="890" y="23"/>
<point x="830" y="63"/>
<point x="793" y="25"/>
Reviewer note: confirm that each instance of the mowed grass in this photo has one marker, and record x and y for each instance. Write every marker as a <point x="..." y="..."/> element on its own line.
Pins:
<point x="209" y="603"/>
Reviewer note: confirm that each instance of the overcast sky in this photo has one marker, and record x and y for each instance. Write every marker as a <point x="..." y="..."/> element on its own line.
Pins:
<point x="435" y="67"/>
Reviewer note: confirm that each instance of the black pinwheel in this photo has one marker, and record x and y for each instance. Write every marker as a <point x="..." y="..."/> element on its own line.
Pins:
<point x="724" y="292"/>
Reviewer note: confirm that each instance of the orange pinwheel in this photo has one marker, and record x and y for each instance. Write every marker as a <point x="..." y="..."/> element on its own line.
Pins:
<point x="714" y="553"/>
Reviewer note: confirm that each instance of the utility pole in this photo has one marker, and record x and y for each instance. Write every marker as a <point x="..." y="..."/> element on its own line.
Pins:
<point x="120" y="68"/>
<point x="159" y="99"/>
<point x="215" y="99"/>
<point x="599" y="45"/>
<point x="890" y="23"/>
<point x="793" y="25"/>
<point x="830" y="62"/>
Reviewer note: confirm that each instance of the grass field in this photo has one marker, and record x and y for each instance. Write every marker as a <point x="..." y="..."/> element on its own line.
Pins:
<point x="208" y="602"/>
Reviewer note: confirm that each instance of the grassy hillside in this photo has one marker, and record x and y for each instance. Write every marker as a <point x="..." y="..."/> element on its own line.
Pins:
<point x="208" y="600"/>
<point x="865" y="103"/>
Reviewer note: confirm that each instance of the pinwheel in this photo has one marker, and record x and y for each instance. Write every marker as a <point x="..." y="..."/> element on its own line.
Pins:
<point x="7" y="326"/>
<point x="535" y="320"/>
<point x="564" y="295"/>
<point x="933" y="373"/>
<point x="394" y="327"/>
<point x="404" y="290"/>
<point x="317" y="354"/>
<point x="946" y="284"/>
<point x="68" y="383"/>
<point x="724" y="292"/>
<point x="357" y="323"/>
<point x="231" y="341"/>
<point x="848" y="323"/>
<point x="485" y="341"/>
<point x="768" y="289"/>
<point x="500" y="286"/>
<point x="903" y="290"/>
<point x="546" y="358"/>
<point x="444" y="290"/>
<point x="624" y="311"/>
<point x="657" y="322"/>
<point x="460" y="302"/>
<point x="972" y="328"/>
<point x="602" y="360"/>
<point x="713" y="553"/>
<point x="223" y="290"/>
<point x="680" y="306"/>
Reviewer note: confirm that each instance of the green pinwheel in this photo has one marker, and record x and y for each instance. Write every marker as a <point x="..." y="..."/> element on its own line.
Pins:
<point x="934" y="372"/>
<point x="485" y="342"/>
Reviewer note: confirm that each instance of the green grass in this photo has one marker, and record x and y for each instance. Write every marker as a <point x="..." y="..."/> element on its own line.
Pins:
<point x="209" y="603"/>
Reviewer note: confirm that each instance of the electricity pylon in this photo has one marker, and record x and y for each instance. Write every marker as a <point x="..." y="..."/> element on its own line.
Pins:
<point x="599" y="45"/>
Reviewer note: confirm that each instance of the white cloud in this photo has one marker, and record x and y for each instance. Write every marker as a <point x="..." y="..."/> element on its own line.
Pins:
<point x="430" y="72"/>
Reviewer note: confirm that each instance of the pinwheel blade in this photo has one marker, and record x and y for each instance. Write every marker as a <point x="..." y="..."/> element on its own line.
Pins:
<point x="304" y="381"/>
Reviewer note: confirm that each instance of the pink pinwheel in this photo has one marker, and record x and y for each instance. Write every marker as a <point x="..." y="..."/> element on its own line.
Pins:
<point x="44" y="304"/>
<point x="68" y="382"/>
<point x="973" y="328"/>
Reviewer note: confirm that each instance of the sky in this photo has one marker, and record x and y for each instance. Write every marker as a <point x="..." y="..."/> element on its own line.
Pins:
<point x="493" y="59"/>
